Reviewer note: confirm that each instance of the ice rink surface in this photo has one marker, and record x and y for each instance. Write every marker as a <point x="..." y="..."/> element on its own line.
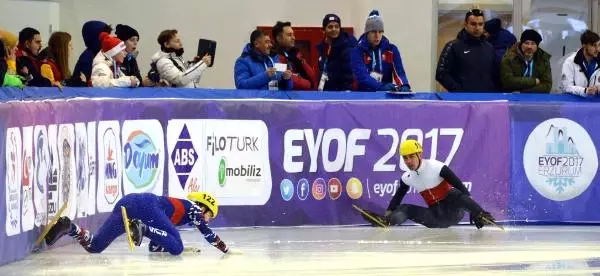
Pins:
<point x="405" y="250"/>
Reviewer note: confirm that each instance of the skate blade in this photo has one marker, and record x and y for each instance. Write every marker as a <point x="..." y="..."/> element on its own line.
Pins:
<point x="369" y="216"/>
<point x="127" y="229"/>
<point x="51" y="223"/>
<point x="493" y="223"/>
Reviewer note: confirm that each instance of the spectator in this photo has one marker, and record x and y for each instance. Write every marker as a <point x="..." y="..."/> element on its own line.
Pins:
<point x="28" y="64"/>
<point x="467" y="63"/>
<point x="580" y="70"/>
<point x="83" y="68"/>
<point x="130" y="67"/>
<point x="55" y="67"/>
<point x="10" y="46"/>
<point x="303" y="76"/>
<point x="105" y="68"/>
<point x="376" y="63"/>
<point x="169" y="65"/>
<point x="255" y="68"/>
<point x="335" y="64"/>
<point x="501" y="39"/>
<point x="526" y="67"/>
<point x="7" y="79"/>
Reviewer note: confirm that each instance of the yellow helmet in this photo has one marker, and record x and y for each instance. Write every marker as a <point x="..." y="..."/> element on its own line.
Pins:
<point x="205" y="199"/>
<point x="409" y="147"/>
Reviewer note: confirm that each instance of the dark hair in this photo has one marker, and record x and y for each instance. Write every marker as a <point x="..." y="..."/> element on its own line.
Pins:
<point x="165" y="36"/>
<point x="107" y="29"/>
<point x="278" y="28"/>
<point x="589" y="37"/>
<point x="27" y="34"/>
<point x="474" y="12"/>
<point x="256" y="34"/>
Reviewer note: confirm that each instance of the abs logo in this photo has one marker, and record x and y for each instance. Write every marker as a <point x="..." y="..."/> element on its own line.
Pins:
<point x="111" y="177"/>
<point x="560" y="159"/>
<point x="287" y="189"/>
<point x="216" y="144"/>
<point x="141" y="159"/>
<point x="303" y="188"/>
<point x="184" y="156"/>
<point x="318" y="189"/>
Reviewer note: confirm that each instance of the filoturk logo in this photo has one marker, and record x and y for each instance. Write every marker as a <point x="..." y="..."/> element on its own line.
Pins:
<point x="560" y="159"/>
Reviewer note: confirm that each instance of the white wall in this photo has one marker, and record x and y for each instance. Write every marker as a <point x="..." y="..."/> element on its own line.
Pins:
<point x="41" y="15"/>
<point x="409" y="24"/>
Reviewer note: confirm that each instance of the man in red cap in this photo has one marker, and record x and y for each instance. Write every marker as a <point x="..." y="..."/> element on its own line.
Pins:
<point x="105" y="67"/>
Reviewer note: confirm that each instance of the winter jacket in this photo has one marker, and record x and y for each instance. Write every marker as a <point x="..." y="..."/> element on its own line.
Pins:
<point x="388" y="62"/>
<point x="91" y="32"/>
<point x="177" y="72"/>
<point x="335" y="60"/>
<point x="303" y="76"/>
<point x="466" y="64"/>
<point x="574" y="78"/>
<point x="250" y="71"/>
<point x="33" y="75"/>
<point x="129" y="67"/>
<point x="500" y="38"/>
<point x="49" y="70"/>
<point x="106" y="74"/>
<point x="514" y="67"/>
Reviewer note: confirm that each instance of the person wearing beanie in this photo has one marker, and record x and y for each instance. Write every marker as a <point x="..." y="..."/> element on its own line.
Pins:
<point x="169" y="67"/>
<point x="7" y="79"/>
<point x="335" y="66"/>
<point x="303" y="75"/>
<point x="91" y="37"/>
<point x="501" y="40"/>
<point x="10" y="41"/>
<point x="525" y="67"/>
<point x="376" y="62"/>
<point x="467" y="64"/>
<point x="105" y="67"/>
<point x="581" y="69"/>
<point x="130" y="67"/>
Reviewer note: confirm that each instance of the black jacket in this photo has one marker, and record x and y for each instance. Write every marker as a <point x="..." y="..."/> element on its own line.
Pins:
<point x="339" y="63"/>
<point x="129" y="67"/>
<point x="467" y="65"/>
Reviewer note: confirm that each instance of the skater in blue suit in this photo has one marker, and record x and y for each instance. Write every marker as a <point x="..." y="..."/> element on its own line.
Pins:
<point x="152" y="216"/>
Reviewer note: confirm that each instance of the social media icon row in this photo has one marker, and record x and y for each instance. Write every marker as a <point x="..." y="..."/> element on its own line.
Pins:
<point x="320" y="189"/>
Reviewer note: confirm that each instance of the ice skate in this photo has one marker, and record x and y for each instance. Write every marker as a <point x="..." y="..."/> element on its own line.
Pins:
<point x="138" y="229"/>
<point x="61" y="228"/>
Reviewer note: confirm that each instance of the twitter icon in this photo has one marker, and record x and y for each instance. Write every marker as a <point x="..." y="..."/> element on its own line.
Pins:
<point x="287" y="189"/>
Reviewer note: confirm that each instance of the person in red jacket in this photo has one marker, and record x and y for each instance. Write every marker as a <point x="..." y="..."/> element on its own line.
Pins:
<point x="303" y="76"/>
<point x="55" y="66"/>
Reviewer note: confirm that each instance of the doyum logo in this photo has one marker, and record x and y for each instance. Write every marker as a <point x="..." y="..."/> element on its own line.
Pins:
<point x="141" y="159"/>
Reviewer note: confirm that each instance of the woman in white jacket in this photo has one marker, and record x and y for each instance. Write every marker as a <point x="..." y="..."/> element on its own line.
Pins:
<point x="105" y="70"/>
<point x="171" y="66"/>
<point x="581" y="70"/>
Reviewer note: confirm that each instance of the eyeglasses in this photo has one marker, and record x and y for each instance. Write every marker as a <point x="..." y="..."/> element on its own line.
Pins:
<point x="475" y="12"/>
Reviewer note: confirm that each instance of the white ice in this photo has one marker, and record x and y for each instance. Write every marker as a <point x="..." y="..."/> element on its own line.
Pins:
<point x="406" y="250"/>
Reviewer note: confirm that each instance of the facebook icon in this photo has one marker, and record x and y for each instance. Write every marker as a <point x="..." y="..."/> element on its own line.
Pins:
<point x="302" y="188"/>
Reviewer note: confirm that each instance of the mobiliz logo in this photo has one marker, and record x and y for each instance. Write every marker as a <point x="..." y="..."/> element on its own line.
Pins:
<point x="230" y="143"/>
<point x="141" y="159"/>
<point x="244" y="171"/>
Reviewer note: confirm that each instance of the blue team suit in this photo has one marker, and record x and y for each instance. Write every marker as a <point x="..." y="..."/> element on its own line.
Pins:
<point x="160" y="214"/>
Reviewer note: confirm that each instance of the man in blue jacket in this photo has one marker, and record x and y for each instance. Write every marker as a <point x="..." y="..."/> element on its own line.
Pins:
<point x="376" y="63"/>
<point x="91" y="36"/>
<point x="335" y="67"/>
<point x="256" y="67"/>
